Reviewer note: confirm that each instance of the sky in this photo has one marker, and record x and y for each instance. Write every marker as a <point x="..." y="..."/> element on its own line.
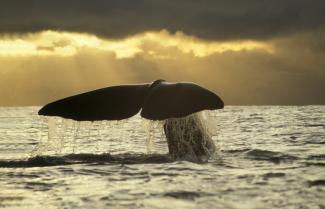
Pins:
<point x="252" y="52"/>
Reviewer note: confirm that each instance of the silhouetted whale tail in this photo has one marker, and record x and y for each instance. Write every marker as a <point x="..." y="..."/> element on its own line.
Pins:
<point x="159" y="100"/>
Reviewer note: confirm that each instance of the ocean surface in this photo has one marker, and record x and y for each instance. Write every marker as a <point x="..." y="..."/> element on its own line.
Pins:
<point x="267" y="157"/>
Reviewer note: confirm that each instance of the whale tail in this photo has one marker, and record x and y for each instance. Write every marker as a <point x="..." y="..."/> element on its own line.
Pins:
<point x="159" y="100"/>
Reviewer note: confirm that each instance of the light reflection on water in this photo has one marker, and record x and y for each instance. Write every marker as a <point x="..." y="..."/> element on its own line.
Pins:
<point x="269" y="157"/>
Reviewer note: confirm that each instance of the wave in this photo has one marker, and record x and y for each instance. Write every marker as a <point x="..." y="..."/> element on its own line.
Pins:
<point x="84" y="158"/>
<point x="275" y="157"/>
<point x="187" y="195"/>
<point x="319" y="182"/>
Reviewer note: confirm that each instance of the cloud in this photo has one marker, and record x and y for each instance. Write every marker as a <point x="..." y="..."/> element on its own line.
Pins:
<point x="250" y="52"/>
<point x="54" y="43"/>
<point x="292" y="74"/>
<point x="209" y="19"/>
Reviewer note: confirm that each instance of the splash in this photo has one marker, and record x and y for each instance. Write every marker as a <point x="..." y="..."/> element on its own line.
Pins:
<point x="190" y="138"/>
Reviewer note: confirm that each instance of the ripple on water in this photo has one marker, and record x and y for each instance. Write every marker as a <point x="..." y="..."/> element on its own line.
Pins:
<point x="187" y="195"/>
<point x="42" y="161"/>
<point x="273" y="175"/>
<point x="39" y="186"/>
<point x="318" y="182"/>
<point x="269" y="157"/>
<point x="275" y="157"/>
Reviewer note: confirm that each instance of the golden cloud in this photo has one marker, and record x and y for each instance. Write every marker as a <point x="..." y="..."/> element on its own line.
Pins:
<point x="37" y="68"/>
<point x="57" y="43"/>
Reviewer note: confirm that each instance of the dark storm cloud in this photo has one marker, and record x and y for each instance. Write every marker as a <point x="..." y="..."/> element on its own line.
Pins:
<point x="210" y="19"/>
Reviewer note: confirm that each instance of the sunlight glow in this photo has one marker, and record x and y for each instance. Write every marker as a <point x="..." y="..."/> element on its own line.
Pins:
<point x="155" y="44"/>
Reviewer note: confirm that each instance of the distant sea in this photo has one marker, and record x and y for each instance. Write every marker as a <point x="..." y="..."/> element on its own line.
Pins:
<point x="268" y="157"/>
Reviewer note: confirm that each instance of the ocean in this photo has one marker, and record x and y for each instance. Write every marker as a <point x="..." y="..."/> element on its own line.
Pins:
<point x="267" y="157"/>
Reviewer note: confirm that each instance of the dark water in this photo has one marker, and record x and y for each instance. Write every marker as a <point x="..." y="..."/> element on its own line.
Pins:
<point x="268" y="157"/>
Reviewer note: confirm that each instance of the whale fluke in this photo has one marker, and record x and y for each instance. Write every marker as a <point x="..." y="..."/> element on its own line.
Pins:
<point x="159" y="100"/>
<point x="175" y="100"/>
<point x="111" y="103"/>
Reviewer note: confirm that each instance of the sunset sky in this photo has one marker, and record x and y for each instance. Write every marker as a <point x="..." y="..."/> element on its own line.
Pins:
<point x="252" y="52"/>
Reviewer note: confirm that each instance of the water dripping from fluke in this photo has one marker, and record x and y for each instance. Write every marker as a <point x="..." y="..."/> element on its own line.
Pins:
<point x="189" y="138"/>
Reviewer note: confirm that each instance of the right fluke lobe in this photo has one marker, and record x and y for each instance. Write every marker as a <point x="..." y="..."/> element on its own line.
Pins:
<point x="174" y="100"/>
